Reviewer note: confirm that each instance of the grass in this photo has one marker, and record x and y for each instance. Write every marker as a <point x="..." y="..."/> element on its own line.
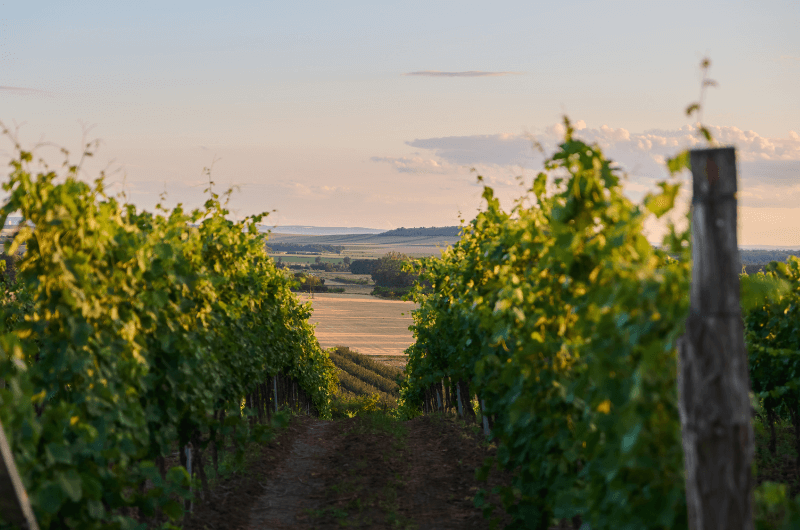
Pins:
<point x="378" y="422"/>
<point x="233" y="462"/>
<point x="361" y="501"/>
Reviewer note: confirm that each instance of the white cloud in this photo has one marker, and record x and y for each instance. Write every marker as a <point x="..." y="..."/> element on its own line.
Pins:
<point x="415" y="164"/>
<point x="313" y="191"/>
<point x="495" y="149"/>
<point x="769" y="167"/>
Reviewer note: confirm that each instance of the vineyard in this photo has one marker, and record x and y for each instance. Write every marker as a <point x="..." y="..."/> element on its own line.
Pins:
<point x="360" y="376"/>
<point x="143" y="356"/>
<point x="128" y="336"/>
<point x="563" y="323"/>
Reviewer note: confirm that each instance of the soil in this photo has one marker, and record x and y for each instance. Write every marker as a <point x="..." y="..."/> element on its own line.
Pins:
<point x="357" y="473"/>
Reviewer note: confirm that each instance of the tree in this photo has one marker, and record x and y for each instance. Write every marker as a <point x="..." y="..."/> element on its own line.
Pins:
<point x="389" y="271"/>
<point x="363" y="266"/>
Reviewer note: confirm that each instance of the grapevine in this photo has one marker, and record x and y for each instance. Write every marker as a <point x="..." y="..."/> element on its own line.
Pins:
<point x="140" y="331"/>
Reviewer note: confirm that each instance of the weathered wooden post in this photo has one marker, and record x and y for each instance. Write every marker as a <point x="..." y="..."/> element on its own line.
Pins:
<point x="14" y="505"/>
<point x="713" y="379"/>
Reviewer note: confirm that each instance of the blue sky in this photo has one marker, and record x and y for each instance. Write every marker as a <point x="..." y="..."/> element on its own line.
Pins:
<point x="305" y="105"/>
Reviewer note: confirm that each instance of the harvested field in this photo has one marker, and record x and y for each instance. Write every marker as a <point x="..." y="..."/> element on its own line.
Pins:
<point x="368" y="325"/>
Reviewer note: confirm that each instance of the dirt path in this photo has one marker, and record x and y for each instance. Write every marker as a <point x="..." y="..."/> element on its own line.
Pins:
<point x="357" y="473"/>
<point x="297" y="485"/>
<point x="418" y="475"/>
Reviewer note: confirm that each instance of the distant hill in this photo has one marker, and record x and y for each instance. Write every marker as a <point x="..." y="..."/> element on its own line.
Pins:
<point x="297" y="248"/>
<point x="446" y="231"/>
<point x="762" y="257"/>
<point x="319" y="230"/>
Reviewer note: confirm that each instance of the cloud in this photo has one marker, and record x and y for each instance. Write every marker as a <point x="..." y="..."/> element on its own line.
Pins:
<point x="415" y="164"/>
<point x="470" y="73"/>
<point x="494" y="149"/>
<point x="21" y="91"/>
<point x="769" y="167"/>
<point x="313" y="191"/>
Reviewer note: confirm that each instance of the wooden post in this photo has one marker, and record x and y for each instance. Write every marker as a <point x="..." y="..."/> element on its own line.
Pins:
<point x="713" y="379"/>
<point x="14" y="504"/>
<point x="188" y="451"/>
<point x="275" y="390"/>
<point x="486" y="430"/>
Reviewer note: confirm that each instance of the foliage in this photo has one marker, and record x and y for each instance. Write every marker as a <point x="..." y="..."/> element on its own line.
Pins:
<point x="309" y="282"/>
<point x="297" y="248"/>
<point x="565" y="321"/>
<point x="349" y="405"/>
<point x="390" y="271"/>
<point x="353" y="281"/>
<point x="136" y="330"/>
<point x="363" y="266"/>
<point x="771" y="321"/>
<point x="774" y="509"/>
<point x="392" y="293"/>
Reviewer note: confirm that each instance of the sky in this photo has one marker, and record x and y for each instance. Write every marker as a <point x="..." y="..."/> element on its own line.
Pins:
<point x="374" y="114"/>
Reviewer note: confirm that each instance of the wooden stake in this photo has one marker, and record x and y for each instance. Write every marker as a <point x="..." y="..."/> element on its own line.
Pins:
<point x="275" y="390"/>
<point x="486" y="430"/>
<point x="713" y="379"/>
<point x="14" y="504"/>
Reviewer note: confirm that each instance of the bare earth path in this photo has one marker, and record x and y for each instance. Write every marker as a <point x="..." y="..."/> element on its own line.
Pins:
<point x="297" y="484"/>
<point x="356" y="473"/>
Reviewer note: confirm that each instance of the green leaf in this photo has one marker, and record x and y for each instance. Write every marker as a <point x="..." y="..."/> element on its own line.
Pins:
<point x="757" y="289"/>
<point x="664" y="201"/>
<point x="58" y="453"/>
<point x="679" y="162"/>
<point x="173" y="509"/>
<point x="70" y="482"/>
<point x="51" y="497"/>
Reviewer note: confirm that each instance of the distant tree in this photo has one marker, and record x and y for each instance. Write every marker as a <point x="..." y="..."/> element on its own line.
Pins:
<point x="389" y="271"/>
<point x="327" y="266"/>
<point x="311" y="283"/>
<point x="318" y="260"/>
<point x="363" y="266"/>
<point x="434" y="231"/>
<point x="346" y="260"/>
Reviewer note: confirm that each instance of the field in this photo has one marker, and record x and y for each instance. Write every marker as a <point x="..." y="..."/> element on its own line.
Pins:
<point x="370" y="326"/>
<point x="372" y="246"/>
<point x="300" y="258"/>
